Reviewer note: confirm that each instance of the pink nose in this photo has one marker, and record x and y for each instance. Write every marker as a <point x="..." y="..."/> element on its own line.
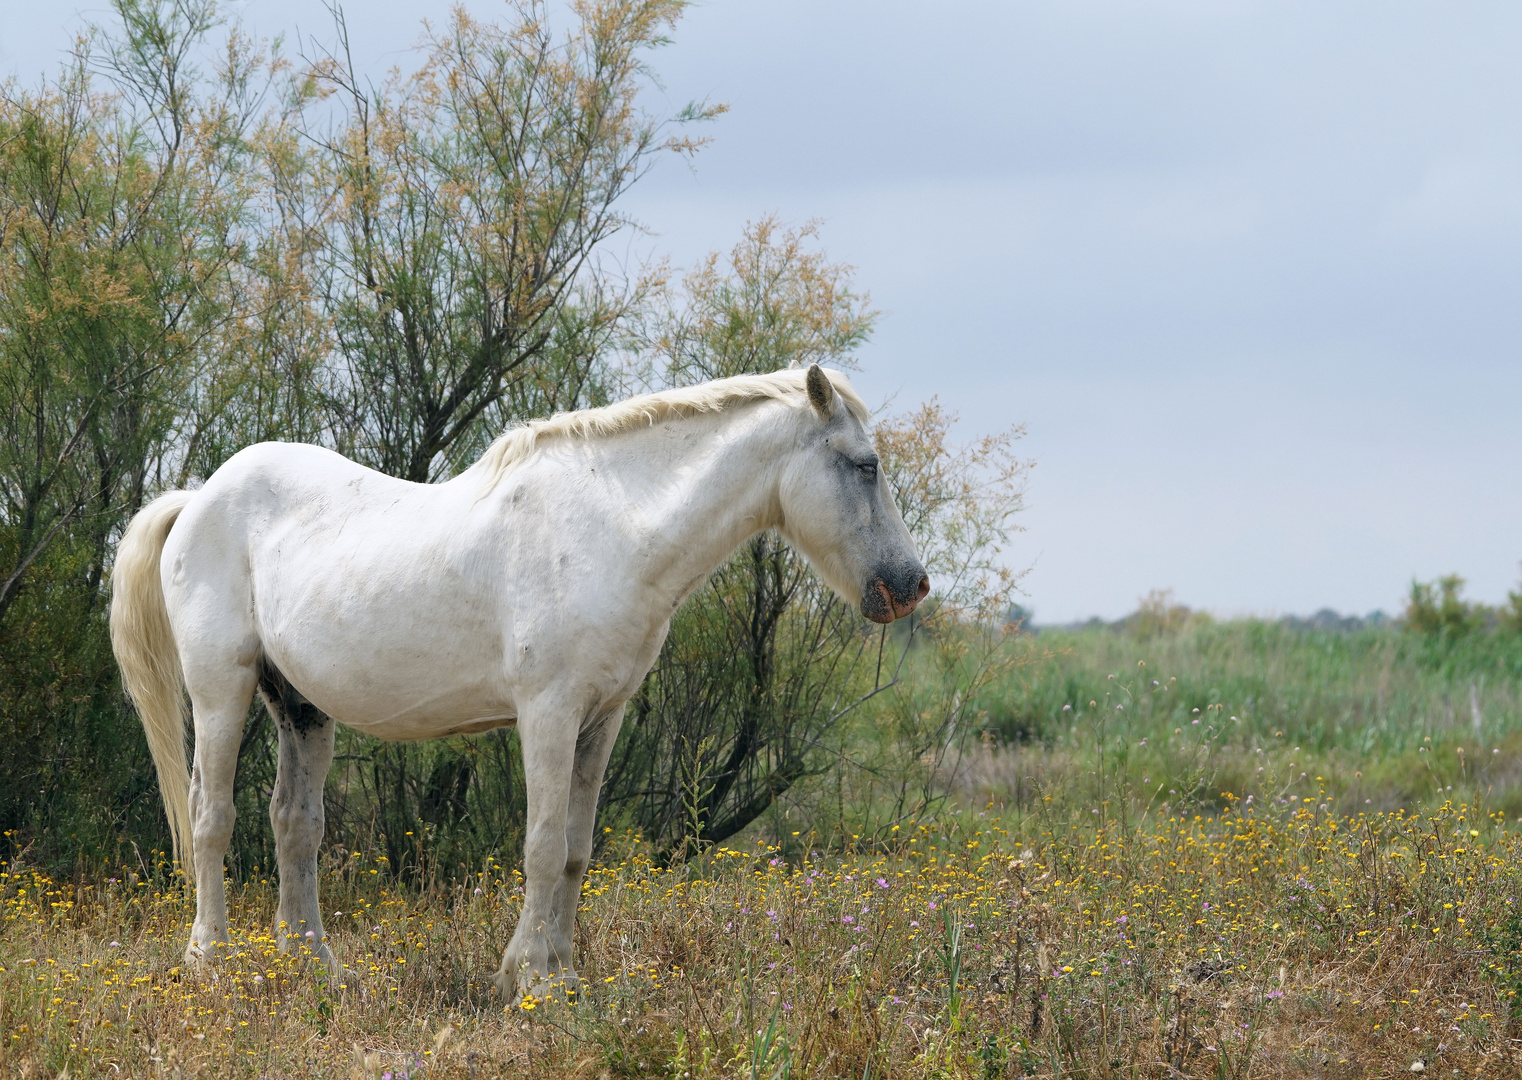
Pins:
<point x="900" y="610"/>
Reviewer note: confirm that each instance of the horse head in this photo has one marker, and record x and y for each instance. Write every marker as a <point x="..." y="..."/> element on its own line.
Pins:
<point x="838" y="511"/>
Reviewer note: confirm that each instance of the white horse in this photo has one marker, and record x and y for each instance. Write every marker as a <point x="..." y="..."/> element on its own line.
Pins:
<point x="534" y="588"/>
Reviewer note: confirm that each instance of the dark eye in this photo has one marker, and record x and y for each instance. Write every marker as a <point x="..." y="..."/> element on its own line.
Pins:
<point x="868" y="469"/>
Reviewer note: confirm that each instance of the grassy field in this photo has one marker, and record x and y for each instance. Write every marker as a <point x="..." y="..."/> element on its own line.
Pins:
<point x="1256" y="944"/>
<point x="1280" y="884"/>
<point x="1380" y="718"/>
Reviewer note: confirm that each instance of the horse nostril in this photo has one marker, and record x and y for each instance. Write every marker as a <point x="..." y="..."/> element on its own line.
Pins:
<point x="923" y="588"/>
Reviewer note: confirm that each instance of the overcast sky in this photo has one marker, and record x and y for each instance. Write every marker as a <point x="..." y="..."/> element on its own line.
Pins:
<point x="1249" y="273"/>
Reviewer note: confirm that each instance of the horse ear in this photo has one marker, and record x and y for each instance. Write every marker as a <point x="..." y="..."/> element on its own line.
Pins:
<point x="821" y="393"/>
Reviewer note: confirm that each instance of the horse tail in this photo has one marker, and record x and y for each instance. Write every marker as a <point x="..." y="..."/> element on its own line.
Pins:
<point x="149" y="660"/>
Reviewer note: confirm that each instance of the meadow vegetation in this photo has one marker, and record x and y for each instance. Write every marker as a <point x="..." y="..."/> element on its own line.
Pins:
<point x="1212" y="879"/>
<point x="1257" y="942"/>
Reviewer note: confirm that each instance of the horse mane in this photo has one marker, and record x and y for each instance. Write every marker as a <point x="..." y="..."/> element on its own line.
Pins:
<point x="518" y="442"/>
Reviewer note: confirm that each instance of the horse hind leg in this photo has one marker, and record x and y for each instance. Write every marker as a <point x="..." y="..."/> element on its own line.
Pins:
<point x="296" y="811"/>
<point x="219" y="697"/>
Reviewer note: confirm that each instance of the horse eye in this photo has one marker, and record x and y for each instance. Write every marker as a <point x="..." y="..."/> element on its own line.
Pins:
<point x="868" y="469"/>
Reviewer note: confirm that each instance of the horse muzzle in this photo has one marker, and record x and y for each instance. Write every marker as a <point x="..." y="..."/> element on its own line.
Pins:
<point x="883" y="603"/>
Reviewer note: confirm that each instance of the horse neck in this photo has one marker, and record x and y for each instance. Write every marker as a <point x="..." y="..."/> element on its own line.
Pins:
<point x="704" y="485"/>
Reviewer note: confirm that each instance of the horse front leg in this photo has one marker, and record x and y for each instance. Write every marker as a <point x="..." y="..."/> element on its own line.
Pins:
<point x="592" y="752"/>
<point x="538" y="959"/>
<point x="296" y="814"/>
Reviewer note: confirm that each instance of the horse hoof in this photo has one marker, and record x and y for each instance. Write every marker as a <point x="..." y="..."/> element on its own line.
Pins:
<point x="205" y="949"/>
<point x="562" y="987"/>
<point x="505" y="984"/>
<point x="202" y="961"/>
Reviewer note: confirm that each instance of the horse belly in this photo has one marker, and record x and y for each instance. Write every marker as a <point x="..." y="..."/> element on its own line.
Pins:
<point x="402" y="649"/>
<point x="415" y="729"/>
<point x="394" y="685"/>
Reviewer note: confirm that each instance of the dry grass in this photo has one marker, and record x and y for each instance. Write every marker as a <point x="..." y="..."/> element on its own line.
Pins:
<point x="1246" y="945"/>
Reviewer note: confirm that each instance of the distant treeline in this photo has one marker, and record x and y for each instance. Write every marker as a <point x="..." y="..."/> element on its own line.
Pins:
<point x="1434" y="608"/>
